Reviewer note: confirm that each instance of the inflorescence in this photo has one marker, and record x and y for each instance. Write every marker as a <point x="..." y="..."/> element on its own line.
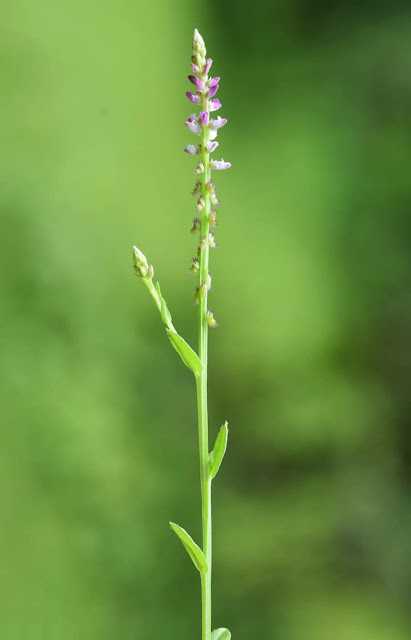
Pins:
<point x="202" y="125"/>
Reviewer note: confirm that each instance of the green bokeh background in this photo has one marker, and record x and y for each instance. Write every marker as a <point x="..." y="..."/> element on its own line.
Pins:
<point x="311" y="364"/>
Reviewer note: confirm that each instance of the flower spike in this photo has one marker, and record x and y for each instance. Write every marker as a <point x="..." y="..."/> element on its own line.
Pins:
<point x="204" y="191"/>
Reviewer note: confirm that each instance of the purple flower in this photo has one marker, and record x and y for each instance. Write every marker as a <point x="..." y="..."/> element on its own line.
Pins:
<point x="207" y="66"/>
<point x="219" y="165"/>
<point x="211" y="146"/>
<point x="212" y="91"/>
<point x="214" y="105"/>
<point x="193" y="97"/>
<point x="193" y="125"/>
<point x="196" y="81"/>
<point x="204" y="115"/>
<point x="214" y="81"/>
<point x="193" y="149"/>
<point x="218" y="123"/>
<point x="195" y="68"/>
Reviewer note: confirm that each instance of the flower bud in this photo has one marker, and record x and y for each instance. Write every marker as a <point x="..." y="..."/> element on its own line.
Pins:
<point x="200" y="204"/>
<point x="195" y="265"/>
<point x="212" y="322"/>
<point x="207" y="66"/>
<point x="196" y="225"/>
<point x="204" y="115"/>
<point x="196" y="81"/>
<point x="199" y="44"/>
<point x="141" y="266"/>
<point x="213" y="90"/>
<point x="197" y="189"/>
<point x="212" y="218"/>
<point x="199" y="293"/>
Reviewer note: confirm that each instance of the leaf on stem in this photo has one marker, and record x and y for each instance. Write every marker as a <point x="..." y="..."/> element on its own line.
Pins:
<point x="186" y="353"/>
<point x="165" y="314"/>
<point x="193" y="550"/>
<point x="221" y="634"/>
<point x="216" y="456"/>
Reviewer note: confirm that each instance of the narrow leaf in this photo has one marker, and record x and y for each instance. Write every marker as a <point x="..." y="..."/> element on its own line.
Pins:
<point x="221" y="634"/>
<point x="165" y="314"/>
<point x="193" y="550"/>
<point x="186" y="353"/>
<point x="216" y="456"/>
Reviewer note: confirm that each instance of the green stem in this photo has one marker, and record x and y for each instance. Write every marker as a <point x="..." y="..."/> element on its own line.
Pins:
<point x="202" y="393"/>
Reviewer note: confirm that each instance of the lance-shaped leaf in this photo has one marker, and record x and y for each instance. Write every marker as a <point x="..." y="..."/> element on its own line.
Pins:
<point x="221" y="634"/>
<point x="193" y="550"/>
<point x="165" y="314"/>
<point x="186" y="353"/>
<point x="216" y="456"/>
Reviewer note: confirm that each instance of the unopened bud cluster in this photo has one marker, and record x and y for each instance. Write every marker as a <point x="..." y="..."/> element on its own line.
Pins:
<point x="141" y="266"/>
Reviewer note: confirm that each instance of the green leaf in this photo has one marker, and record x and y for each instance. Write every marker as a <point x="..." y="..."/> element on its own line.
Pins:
<point x="186" y="353"/>
<point x="216" y="456"/>
<point x="165" y="314"/>
<point x="221" y="634"/>
<point x="193" y="550"/>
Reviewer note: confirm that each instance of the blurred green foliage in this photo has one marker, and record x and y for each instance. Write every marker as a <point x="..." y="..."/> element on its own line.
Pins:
<point x="311" y="365"/>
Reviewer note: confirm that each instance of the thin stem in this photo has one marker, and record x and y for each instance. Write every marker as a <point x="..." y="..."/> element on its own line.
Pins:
<point x="202" y="390"/>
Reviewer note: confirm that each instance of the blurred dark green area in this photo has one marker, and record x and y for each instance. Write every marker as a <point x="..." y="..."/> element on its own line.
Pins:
<point x="311" y="364"/>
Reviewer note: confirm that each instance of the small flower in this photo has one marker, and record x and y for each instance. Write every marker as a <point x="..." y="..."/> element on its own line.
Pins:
<point x="218" y="123"/>
<point x="214" y="105"/>
<point x="209" y="282"/>
<point x="204" y="115"/>
<point x="194" y="68"/>
<point x="196" y="225"/>
<point x="212" y="322"/>
<point x="212" y="134"/>
<point x="219" y="165"/>
<point x="214" y="200"/>
<point x="211" y="146"/>
<point x="199" y="292"/>
<point x="200" y="204"/>
<point x="199" y="169"/>
<point x="193" y="149"/>
<point x="202" y="244"/>
<point x="197" y="188"/>
<point x="196" y="81"/>
<point x="213" y="90"/>
<point x="193" y="97"/>
<point x="195" y="265"/>
<point x="193" y="125"/>
<point x="212" y="218"/>
<point x="211" y="241"/>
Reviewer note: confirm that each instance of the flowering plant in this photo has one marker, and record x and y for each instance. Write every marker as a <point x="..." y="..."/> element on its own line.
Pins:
<point x="206" y="127"/>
